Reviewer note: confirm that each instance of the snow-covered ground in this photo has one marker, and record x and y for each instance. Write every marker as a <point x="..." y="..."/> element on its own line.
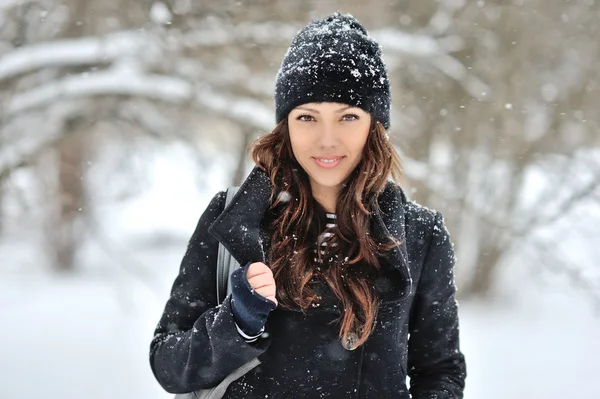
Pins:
<point x="64" y="337"/>
<point x="87" y="335"/>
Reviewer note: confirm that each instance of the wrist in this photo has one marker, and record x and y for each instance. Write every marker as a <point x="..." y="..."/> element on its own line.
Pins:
<point x="250" y="309"/>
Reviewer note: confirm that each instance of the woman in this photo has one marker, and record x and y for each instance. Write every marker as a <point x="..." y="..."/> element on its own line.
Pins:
<point x="347" y="287"/>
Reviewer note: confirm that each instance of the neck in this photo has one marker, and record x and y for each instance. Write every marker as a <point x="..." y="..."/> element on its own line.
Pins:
<point x="326" y="196"/>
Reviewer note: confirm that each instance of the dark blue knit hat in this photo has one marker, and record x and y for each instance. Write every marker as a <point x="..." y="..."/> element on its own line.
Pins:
<point x="335" y="60"/>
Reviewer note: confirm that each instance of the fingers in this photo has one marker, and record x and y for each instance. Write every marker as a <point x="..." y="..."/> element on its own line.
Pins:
<point x="260" y="277"/>
<point x="256" y="269"/>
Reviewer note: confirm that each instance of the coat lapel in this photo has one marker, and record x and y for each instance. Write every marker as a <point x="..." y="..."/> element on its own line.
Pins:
<point x="238" y="226"/>
<point x="389" y="221"/>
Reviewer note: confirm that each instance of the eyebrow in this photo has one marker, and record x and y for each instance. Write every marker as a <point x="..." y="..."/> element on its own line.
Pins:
<point x="317" y="112"/>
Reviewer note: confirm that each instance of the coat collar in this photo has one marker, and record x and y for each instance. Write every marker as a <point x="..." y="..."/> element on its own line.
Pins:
<point x="238" y="226"/>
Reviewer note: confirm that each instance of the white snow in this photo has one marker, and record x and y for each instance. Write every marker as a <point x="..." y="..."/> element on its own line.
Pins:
<point x="543" y="346"/>
<point x="160" y="13"/>
<point x="69" y="337"/>
<point x="413" y="44"/>
<point x="121" y="81"/>
<point x="73" y="52"/>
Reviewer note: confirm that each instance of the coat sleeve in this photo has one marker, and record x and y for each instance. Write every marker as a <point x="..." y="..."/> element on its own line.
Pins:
<point x="436" y="366"/>
<point x="196" y="343"/>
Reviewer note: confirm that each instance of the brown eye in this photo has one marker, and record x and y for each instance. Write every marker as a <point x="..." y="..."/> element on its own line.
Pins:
<point x="305" y="118"/>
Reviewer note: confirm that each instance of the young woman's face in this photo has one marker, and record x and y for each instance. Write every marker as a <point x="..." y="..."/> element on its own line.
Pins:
<point x="328" y="140"/>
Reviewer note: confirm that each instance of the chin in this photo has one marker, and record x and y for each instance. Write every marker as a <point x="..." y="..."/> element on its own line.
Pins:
<point x="327" y="181"/>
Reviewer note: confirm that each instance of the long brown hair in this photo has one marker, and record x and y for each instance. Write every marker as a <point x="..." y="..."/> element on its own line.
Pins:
<point x="295" y="233"/>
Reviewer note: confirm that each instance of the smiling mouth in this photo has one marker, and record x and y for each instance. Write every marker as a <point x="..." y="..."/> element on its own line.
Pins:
<point x="328" y="162"/>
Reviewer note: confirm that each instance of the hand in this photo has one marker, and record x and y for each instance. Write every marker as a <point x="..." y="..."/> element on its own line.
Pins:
<point x="260" y="277"/>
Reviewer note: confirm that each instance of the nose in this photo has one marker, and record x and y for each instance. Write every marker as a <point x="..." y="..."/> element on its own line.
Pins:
<point x="328" y="137"/>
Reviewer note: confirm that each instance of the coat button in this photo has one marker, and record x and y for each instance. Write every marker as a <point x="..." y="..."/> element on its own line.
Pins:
<point x="350" y="341"/>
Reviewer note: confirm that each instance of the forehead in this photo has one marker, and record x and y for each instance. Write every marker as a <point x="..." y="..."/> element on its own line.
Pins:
<point x="326" y="106"/>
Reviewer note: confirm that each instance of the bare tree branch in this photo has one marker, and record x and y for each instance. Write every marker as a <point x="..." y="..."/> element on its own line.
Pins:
<point x="546" y="252"/>
<point x="575" y="197"/>
<point x="75" y="52"/>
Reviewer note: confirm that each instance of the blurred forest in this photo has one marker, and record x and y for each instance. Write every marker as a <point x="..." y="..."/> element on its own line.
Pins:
<point x="494" y="112"/>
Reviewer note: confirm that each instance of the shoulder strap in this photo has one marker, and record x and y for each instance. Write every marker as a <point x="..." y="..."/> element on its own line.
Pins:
<point x="226" y="264"/>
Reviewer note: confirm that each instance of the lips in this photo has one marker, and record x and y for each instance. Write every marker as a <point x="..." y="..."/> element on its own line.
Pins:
<point x="329" y="162"/>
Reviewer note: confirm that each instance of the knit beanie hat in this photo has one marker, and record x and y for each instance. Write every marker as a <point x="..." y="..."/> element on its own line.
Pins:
<point x="333" y="60"/>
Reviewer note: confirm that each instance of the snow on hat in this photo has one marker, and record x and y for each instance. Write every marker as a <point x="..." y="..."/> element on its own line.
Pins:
<point x="333" y="59"/>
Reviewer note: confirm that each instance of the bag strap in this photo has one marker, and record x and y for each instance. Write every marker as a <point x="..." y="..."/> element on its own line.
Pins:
<point x="226" y="264"/>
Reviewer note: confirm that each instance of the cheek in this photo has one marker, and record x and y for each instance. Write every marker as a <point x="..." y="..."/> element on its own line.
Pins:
<point x="299" y="146"/>
<point x="357" y="145"/>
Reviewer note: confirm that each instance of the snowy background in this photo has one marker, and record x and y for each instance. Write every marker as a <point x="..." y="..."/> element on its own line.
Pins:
<point x="119" y="120"/>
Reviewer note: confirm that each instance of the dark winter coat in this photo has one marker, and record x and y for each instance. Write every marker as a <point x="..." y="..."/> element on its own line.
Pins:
<point x="197" y="344"/>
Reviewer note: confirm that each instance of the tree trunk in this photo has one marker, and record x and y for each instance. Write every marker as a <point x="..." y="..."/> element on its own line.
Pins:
<point x="483" y="277"/>
<point x="66" y="233"/>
